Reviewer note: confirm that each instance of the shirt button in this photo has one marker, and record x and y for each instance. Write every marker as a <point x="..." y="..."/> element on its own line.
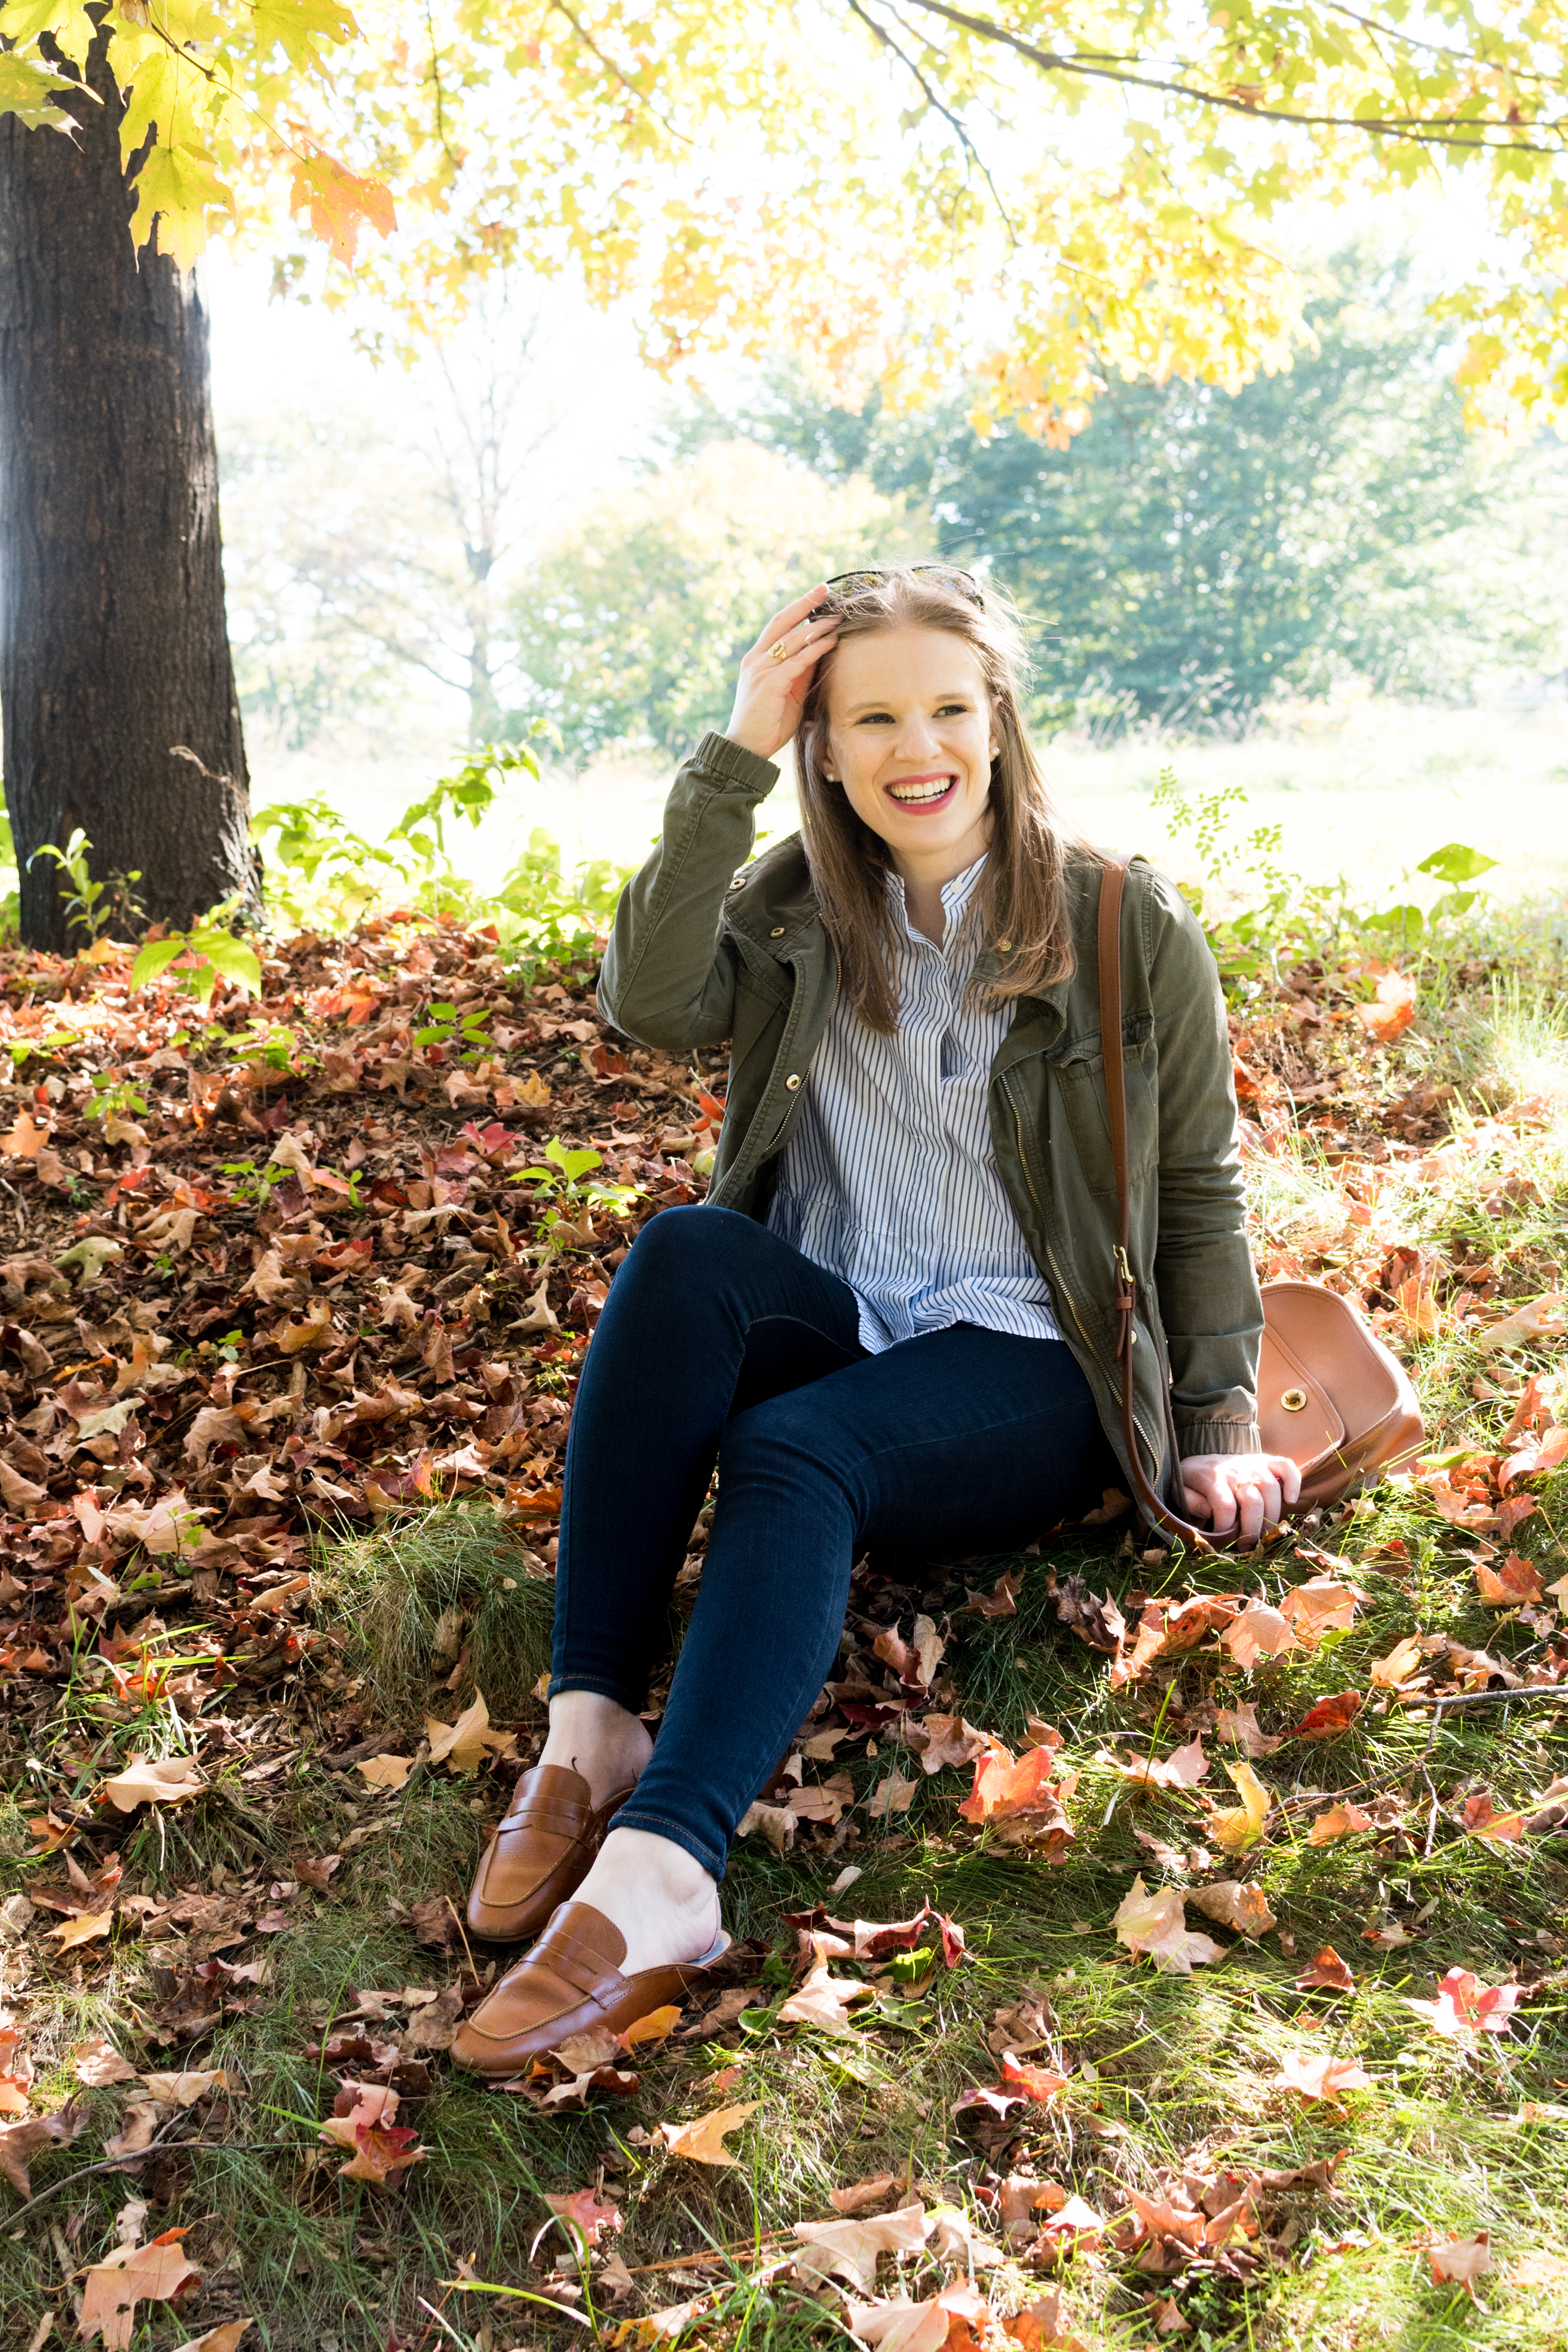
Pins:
<point x="777" y="934"/>
<point x="792" y="1082"/>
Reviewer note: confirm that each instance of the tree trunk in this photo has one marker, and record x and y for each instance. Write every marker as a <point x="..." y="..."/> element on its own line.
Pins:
<point x="116" y="682"/>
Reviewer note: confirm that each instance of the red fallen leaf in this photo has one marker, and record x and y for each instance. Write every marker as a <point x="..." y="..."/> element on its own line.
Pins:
<point x="1510" y="1585"/>
<point x="381" y="2153"/>
<point x="1482" y="1820"/>
<point x="1035" y="2083"/>
<point x="1512" y="1512"/>
<point x="582" y="2210"/>
<point x="1392" y="1010"/>
<point x="1330" y="1717"/>
<point x="1327" y="1970"/>
<point x="1002" y="1789"/>
<point x="1465" y="2006"/>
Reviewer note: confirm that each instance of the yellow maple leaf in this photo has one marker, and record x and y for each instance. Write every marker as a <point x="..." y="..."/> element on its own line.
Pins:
<point x="85" y="1928"/>
<point x="1234" y="1830"/>
<point x="463" y="1746"/>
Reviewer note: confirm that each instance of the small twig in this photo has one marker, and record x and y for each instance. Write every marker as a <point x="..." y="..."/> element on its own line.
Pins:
<point x="1494" y="1698"/>
<point x="473" y="1968"/>
<point x="158" y="2146"/>
<point x="715" y="2254"/>
<point x="1418" y="1763"/>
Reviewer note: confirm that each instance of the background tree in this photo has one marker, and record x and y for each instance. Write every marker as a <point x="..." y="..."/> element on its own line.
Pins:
<point x="365" y="560"/>
<point x="629" y="628"/>
<point x="116" y="688"/>
<point x="923" y="205"/>
<point x="1199" y="549"/>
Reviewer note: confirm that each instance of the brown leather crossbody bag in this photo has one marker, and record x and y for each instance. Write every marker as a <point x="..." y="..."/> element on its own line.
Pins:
<point x="1329" y="1394"/>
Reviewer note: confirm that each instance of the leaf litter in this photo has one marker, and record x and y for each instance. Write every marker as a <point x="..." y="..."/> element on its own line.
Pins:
<point x="387" y="1283"/>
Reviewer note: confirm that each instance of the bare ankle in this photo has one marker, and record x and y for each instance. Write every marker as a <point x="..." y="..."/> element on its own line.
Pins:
<point x="592" y="1735"/>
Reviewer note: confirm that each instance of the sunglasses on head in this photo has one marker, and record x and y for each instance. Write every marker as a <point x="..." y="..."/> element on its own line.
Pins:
<point x="851" y="583"/>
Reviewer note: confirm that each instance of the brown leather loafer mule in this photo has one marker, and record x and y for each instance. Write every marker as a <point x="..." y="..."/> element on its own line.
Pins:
<point x="569" y="1981"/>
<point x="541" y="1851"/>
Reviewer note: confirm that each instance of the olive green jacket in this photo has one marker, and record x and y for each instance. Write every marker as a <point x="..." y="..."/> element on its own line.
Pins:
<point x="701" y="952"/>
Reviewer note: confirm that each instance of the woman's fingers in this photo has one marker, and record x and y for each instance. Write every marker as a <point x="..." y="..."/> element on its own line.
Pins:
<point x="1288" y="1474"/>
<point x="1222" y="1501"/>
<point x="776" y="673"/>
<point x="787" y="619"/>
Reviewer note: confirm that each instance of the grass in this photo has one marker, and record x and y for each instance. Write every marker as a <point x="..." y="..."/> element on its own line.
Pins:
<point x="1446" y="2139"/>
<point x="457" y="1594"/>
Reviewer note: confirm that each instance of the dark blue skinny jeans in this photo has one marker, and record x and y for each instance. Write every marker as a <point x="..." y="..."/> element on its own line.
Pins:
<point x="721" y="1344"/>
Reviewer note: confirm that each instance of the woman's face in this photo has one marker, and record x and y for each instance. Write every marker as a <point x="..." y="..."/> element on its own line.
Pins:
<point x="910" y="736"/>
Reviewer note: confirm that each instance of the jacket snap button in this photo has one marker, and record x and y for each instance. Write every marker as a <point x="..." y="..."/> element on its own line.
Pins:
<point x="778" y="933"/>
<point x="792" y="1082"/>
<point x="739" y="883"/>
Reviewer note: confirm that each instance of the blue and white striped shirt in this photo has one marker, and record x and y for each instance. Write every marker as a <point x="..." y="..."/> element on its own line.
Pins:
<point x="890" y="1181"/>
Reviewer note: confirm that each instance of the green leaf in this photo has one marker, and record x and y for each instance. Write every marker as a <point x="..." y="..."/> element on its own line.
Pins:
<point x="1455" y="863"/>
<point x="231" y="957"/>
<point x="1409" y="922"/>
<point x="155" y="958"/>
<point x="572" y="1164"/>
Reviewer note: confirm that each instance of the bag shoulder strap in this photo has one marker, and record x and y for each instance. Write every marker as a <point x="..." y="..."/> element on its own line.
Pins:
<point x="1112" y="885"/>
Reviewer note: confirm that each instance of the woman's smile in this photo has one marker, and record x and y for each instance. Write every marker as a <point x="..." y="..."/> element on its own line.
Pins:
<point x="923" y="792"/>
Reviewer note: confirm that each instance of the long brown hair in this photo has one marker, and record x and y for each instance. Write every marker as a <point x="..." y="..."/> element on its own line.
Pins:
<point x="1021" y="888"/>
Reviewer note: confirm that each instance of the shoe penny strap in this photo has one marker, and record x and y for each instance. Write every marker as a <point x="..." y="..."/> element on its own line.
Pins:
<point x="564" y="1820"/>
<point x="585" y="1967"/>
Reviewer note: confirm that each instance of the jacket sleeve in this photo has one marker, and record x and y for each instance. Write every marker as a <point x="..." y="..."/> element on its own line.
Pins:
<point x="1209" y="1300"/>
<point x="668" y="973"/>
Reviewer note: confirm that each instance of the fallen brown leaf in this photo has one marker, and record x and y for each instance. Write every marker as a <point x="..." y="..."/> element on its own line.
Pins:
<point x="96" y="2062"/>
<point x="20" y="2143"/>
<point x="702" y="2142"/>
<point x="171" y="1782"/>
<point x="1327" y="1970"/>
<point x="860" y="2196"/>
<point x="113" y="2287"/>
<point x="1234" y="1902"/>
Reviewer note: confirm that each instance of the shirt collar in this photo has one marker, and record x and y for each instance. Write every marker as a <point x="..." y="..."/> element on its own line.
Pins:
<point x="956" y="897"/>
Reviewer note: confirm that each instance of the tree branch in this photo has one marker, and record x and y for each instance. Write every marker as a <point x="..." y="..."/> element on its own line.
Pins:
<point x="1412" y="130"/>
<point x="929" y="95"/>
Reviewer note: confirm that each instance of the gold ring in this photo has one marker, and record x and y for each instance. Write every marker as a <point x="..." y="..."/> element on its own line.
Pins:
<point x="779" y="652"/>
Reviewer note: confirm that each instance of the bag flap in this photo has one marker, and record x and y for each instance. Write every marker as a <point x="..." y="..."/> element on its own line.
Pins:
<point x="1296" y="1415"/>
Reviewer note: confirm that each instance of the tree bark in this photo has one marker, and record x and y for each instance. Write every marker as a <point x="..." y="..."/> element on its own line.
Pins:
<point x="116" y="681"/>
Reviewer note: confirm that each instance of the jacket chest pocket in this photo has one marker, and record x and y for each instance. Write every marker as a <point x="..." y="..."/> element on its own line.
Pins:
<point x="1080" y="1079"/>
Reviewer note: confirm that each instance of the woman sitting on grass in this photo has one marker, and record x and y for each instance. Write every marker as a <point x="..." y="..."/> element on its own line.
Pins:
<point x="891" y="1322"/>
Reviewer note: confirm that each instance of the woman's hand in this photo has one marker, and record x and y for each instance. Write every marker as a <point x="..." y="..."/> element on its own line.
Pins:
<point x="1260" y="1486"/>
<point x="769" y="692"/>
